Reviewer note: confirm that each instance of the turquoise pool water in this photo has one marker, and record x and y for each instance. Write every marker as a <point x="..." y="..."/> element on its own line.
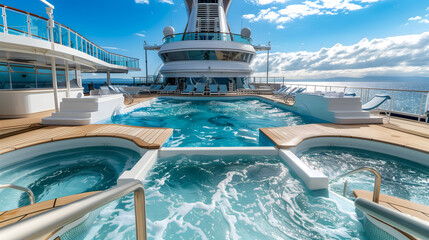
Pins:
<point x="212" y="123"/>
<point x="64" y="173"/>
<point x="400" y="178"/>
<point x="230" y="197"/>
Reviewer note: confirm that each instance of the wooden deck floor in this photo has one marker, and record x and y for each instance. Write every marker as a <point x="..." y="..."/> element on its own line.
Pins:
<point x="151" y="138"/>
<point x="22" y="213"/>
<point x="286" y="137"/>
<point x="414" y="209"/>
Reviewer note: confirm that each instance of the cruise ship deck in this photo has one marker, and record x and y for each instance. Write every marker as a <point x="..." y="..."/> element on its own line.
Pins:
<point x="201" y="149"/>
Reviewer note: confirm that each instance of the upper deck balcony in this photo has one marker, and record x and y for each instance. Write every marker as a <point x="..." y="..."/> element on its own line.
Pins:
<point x="20" y="23"/>
<point x="217" y="36"/>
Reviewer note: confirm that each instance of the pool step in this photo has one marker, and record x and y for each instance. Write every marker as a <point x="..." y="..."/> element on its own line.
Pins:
<point x="86" y="110"/>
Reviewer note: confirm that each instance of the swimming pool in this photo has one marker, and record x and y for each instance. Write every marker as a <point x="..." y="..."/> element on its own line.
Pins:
<point x="229" y="197"/>
<point x="400" y="177"/>
<point x="63" y="173"/>
<point x="212" y="122"/>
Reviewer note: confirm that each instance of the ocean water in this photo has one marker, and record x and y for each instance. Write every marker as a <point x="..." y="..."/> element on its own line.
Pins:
<point x="212" y="123"/>
<point x="229" y="197"/>
<point x="400" y="178"/>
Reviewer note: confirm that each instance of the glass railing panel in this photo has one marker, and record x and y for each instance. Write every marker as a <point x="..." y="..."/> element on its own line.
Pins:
<point x="84" y="45"/>
<point x="57" y="37"/>
<point x="39" y="28"/>
<point x="407" y="102"/>
<point x="65" y="36"/>
<point x="207" y="36"/>
<point x="79" y="43"/>
<point x="16" y="22"/>
<point x="73" y="43"/>
<point x="1" y="20"/>
<point x="19" y="23"/>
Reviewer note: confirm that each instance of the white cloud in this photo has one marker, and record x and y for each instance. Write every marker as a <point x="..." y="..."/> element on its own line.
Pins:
<point x="167" y="1"/>
<point x="306" y="8"/>
<point x="147" y="1"/>
<point x="401" y="55"/>
<point x="142" y="1"/>
<point x="424" y="21"/>
<point x="115" y="48"/>
<point x="414" y="18"/>
<point x="265" y="2"/>
<point x="249" y="16"/>
<point x="140" y="34"/>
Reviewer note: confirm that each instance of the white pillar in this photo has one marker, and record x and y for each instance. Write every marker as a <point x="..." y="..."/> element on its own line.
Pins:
<point x="78" y="74"/>
<point x="54" y="83"/>
<point x="67" y="79"/>
<point x="108" y="77"/>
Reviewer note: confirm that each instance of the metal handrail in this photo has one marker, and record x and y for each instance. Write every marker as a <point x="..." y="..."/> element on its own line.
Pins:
<point x="404" y="222"/>
<point x="44" y="223"/>
<point x="377" y="182"/>
<point x="24" y="189"/>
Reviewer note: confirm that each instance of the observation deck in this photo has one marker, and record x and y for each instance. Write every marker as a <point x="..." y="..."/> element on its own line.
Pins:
<point x="24" y="37"/>
<point x="215" y="36"/>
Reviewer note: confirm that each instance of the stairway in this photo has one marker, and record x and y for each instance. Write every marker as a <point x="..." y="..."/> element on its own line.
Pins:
<point x="85" y="110"/>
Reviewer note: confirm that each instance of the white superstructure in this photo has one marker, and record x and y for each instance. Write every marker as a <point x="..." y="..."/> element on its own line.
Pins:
<point x="207" y="51"/>
<point x="41" y="62"/>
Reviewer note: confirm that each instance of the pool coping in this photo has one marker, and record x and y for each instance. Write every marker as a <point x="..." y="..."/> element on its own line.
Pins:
<point x="292" y="136"/>
<point x="144" y="137"/>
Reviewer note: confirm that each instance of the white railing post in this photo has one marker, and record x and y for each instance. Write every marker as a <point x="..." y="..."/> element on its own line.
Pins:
<point x="420" y="107"/>
<point x="28" y="25"/>
<point x="427" y="107"/>
<point x="4" y="20"/>
<point x="391" y="105"/>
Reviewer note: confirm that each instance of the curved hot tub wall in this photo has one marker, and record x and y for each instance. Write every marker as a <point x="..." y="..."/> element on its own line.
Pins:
<point x="374" y="146"/>
<point x="23" y="153"/>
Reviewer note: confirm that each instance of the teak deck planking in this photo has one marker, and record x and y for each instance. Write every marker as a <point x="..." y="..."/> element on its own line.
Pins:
<point x="150" y="138"/>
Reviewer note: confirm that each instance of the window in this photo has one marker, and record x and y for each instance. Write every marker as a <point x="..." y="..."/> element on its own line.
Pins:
<point x="206" y="55"/>
<point x="24" y="76"/>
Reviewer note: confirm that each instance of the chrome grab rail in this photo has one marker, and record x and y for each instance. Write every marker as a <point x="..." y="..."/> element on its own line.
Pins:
<point x="24" y="189"/>
<point x="412" y="225"/>
<point x="44" y="223"/>
<point x="377" y="182"/>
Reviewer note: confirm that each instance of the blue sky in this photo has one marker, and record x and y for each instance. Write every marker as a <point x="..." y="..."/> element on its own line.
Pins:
<point x="294" y="27"/>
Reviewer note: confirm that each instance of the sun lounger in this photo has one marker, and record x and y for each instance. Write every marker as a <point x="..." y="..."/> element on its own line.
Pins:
<point x="136" y="90"/>
<point x="166" y="89"/>
<point x="155" y="87"/>
<point x="292" y="94"/>
<point x="286" y="92"/>
<point x="223" y="90"/>
<point x="283" y="89"/>
<point x="200" y="89"/>
<point x="213" y="89"/>
<point x="189" y="90"/>
<point x="260" y="90"/>
<point x="172" y="89"/>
